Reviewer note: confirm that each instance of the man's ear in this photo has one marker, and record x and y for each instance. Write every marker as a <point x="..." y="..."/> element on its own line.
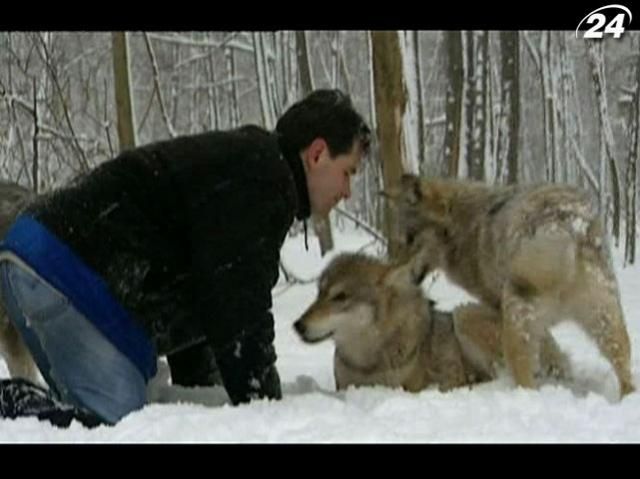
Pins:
<point x="315" y="150"/>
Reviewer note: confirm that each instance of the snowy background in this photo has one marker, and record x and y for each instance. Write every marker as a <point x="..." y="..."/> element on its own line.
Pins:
<point x="312" y="411"/>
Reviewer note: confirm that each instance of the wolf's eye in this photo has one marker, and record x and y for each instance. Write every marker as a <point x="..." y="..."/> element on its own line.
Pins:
<point x="410" y="238"/>
<point x="340" y="297"/>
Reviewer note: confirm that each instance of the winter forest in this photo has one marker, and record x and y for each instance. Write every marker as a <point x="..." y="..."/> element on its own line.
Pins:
<point x="504" y="107"/>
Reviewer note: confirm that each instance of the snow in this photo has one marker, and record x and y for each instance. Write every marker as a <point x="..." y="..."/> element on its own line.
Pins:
<point x="312" y="411"/>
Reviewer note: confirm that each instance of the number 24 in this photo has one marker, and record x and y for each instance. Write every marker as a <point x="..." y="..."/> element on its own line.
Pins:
<point x="615" y="26"/>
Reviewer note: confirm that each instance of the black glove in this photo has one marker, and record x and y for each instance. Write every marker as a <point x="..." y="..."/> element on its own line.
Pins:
<point x="22" y="398"/>
<point x="247" y="367"/>
<point x="194" y="366"/>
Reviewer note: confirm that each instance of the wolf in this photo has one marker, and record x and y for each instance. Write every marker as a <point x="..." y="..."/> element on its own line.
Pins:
<point x="13" y="198"/>
<point x="387" y="332"/>
<point x="535" y="254"/>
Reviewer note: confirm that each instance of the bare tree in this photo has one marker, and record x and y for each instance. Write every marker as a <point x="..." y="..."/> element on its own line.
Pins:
<point x="266" y="105"/>
<point x="631" y="182"/>
<point x="335" y="59"/>
<point x="232" y="90"/>
<point x="454" y="102"/>
<point x="158" y="88"/>
<point x="122" y="85"/>
<point x="304" y="66"/>
<point x="36" y="133"/>
<point x="420" y="97"/>
<point x="321" y="223"/>
<point x="214" y="104"/>
<point x="390" y="100"/>
<point x="509" y="127"/>
<point x="596" y="60"/>
<point x="475" y="81"/>
<point x="53" y="74"/>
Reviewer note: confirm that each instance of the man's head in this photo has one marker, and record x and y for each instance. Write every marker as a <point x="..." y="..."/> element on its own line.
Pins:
<point x="331" y="138"/>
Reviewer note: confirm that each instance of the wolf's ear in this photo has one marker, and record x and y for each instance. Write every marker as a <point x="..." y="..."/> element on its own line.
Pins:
<point x="410" y="185"/>
<point x="418" y="271"/>
<point x="392" y="194"/>
<point x="410" y="271"/>
<point x="408" y="190"/>
<point x="399" y="276"/>
<point x="435" y="197"/>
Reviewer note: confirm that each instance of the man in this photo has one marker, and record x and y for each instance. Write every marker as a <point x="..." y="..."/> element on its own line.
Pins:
<point x="170" y="249"/>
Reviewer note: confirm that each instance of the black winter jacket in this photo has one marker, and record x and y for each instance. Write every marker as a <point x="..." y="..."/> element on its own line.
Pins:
<point x="187" y="234"/>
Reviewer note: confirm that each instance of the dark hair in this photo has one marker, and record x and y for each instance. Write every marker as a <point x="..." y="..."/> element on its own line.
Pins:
<point x="327" y="114"/>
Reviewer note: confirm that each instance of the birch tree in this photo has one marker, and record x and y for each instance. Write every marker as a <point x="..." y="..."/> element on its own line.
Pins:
<point x="509" y="123"/>
<point x="607" y="158"/>
<point x="454" y="102"/>
<point x="631" y="181"/>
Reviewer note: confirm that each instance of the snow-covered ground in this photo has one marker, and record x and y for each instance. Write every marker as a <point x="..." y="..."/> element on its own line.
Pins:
<point x="312" y="411"/>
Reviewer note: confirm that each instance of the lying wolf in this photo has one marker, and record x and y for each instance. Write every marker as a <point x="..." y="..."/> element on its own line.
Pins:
<point x="386" y="331"/>
<point x="534" y="254"/>
<point x="13" y="198"/>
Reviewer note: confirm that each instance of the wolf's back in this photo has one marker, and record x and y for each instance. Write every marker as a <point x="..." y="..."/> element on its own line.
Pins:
<point x="544" y="262"/>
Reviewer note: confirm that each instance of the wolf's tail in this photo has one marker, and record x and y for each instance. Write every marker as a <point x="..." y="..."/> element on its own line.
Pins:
<point x="544" y="263"/>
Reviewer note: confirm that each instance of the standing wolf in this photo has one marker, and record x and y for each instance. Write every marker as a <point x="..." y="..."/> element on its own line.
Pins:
<point x="536" y="254"/>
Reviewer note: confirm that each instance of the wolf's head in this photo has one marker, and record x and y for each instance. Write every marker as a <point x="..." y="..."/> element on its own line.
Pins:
<point x="423" y="214"/>
<point x="355" y="292"/>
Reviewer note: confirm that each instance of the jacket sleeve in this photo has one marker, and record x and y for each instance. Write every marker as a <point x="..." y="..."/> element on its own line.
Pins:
<point x="236" y="249"/>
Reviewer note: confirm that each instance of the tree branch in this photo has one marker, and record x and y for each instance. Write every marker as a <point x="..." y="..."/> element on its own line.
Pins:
<point x="47" y="60"/>
<point x="532" y="51"/>
<point x="180" y="40"/>
<point x="363" y="225"/>
<point x="156" y="82"/>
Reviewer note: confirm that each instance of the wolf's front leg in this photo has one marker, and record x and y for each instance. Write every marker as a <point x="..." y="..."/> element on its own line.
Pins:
<point x="520" y="338"/>
<point x="553" y="362"/>
<point x="478" y="330"/>
<point x="599" y="311"/>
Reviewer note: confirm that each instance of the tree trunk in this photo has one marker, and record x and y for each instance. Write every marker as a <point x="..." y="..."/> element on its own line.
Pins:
<point x="335" y="60"/>
<point x="36" y="133"/>
<point x="475" y="79"/>
<point x="508" y="130"/>
<point x="420" y="106"/>
<point x="263" y="82"/>
<point x="568" y="115"/>
<point x="321" y="223"/>
<point x="454" y="105"/>
<point x="214" y="105"/>
<point x="304" y="67"/>
<point x="158" y="89"/>
<point x="596" y="60"/>
<point x="271" y="58"/>
<point x="631" y="187"/>
<point x="390" y="99"/>
<point x="122" y="83"/>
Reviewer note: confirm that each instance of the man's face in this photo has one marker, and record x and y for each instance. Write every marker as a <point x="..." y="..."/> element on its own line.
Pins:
<point x="329" y="177"/>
